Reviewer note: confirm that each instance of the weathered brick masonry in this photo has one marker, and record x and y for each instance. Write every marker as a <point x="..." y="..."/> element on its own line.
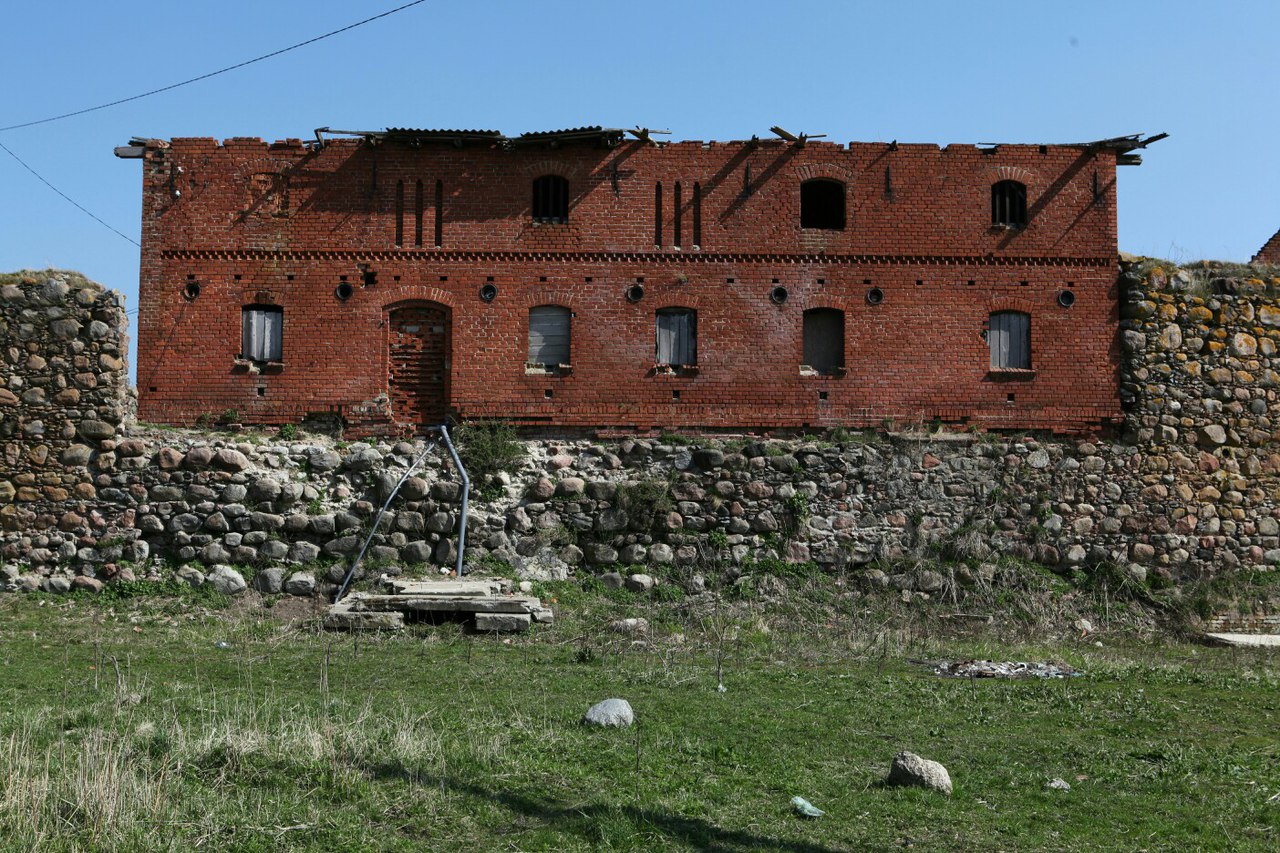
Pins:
<point x="410" y="221"/>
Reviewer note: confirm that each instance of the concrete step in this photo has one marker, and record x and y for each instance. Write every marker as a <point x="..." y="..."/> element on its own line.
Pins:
<point x="444" y="587"/>
<point x="342" y="618"/>
<point x="445" y="603"/>
<point x="481" y="598"/>
<point x="1245" y="641"/>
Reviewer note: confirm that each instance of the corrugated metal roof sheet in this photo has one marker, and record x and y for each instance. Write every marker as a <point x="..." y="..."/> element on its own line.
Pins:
<point x="445" y="132"/>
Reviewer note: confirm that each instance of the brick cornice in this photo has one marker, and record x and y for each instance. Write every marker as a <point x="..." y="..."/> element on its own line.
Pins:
<point x="674" y="259"/>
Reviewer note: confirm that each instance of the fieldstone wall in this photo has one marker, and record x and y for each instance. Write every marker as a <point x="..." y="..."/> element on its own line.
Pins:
<point x="1190" y="488"/>
<point x="63" y="391"/>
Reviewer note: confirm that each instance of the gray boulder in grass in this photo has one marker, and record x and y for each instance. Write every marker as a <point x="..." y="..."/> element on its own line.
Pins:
<point x="610" y="712"/>
<point x="911" y="770"/>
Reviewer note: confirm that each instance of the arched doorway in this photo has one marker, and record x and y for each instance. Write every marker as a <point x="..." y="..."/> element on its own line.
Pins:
<point x="418" y="359"/>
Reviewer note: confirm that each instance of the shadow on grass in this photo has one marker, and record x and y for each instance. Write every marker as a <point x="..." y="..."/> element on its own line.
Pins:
<point x="591" y="821"/>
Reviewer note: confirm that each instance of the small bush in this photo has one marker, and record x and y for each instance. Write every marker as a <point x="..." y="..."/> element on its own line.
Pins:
<point x="643" y="500"/>
<point x="487" y="447"/>
<point x="288" y="432"/>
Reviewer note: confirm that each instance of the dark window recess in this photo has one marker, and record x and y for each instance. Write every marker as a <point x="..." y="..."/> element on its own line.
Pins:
<point x="261" y="327"/>
<point x="822" y="204"/>
<point x="677" y="337"/>
<point x="1009" y="204"/>
<point x="697" y="216"/>
<point x="439" y="214"/>
<point x="417" y="214"/>
<point x="824" y="340"/>
<point x="657" y="214"/>
<point x="678" y="225"/>
<point x="399" y="213"/>
<point x="551" y="199"/>
<point x="1009" y="338"/>
<point x="549" y="335"/>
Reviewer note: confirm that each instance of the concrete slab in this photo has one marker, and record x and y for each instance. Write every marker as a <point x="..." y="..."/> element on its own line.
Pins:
<point x="507" y="622"/>
<point x="341" y="618"/>
<point x="445" y="587"/>
<point x="1252" y="641"/>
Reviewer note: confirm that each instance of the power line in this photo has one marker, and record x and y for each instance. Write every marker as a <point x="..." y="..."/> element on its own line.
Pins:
<point x="83" y="209"/>
<point x="210" y="74"/>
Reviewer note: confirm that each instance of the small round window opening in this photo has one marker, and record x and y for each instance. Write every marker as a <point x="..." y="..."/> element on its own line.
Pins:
<point x="343" y="291"/>
<point x="191" y="290"/>
<point x="488" y="292"/>
<point x="778" y="295"/>
<point x="635" y="293"/>
<point x="1066" y="298"/>
<point x="875" y="296"/>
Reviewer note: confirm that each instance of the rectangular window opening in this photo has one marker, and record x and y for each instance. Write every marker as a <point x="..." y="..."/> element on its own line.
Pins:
<point x="677" y="337"/>
<point x="261" y="330"/>
<point x="549" y="338"/>
<point x="1009" y="339"/>
<point x="823" y="341"/>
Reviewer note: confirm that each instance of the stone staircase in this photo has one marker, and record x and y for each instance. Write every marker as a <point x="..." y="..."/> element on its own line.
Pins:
<point x="487" y="603"/>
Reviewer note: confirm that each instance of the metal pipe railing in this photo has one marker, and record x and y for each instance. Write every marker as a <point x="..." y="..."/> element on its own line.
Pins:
<point x="351" y="572"/>
<point x="466" y="493"/>
<point x="462" y="518"/>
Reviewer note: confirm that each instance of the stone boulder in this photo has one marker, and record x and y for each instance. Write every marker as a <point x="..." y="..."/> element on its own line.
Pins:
<point x="910" y="770"/>
<point x="226" y="580"/>
<point x="611" y="712"/>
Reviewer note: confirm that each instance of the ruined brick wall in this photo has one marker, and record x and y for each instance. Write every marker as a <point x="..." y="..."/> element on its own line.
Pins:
<point x="285" y="225"/>
<point x="64" y="390"/>
<point x="1270" y="252"/>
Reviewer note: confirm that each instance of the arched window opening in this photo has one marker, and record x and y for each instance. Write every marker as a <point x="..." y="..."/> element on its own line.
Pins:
<point x="1009" y="204"/>
<point x="551" y="199"/>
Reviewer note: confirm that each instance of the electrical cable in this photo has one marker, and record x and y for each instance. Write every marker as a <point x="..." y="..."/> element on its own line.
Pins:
<point x="213" y="73"/>
<point x="77" y="204"/>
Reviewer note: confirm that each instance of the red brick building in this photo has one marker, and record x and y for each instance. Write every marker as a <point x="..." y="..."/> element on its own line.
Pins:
<point x="587" y="278"/>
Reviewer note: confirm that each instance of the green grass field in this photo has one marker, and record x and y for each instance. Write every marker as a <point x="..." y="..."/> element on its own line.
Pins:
<point x="171" y="725"/>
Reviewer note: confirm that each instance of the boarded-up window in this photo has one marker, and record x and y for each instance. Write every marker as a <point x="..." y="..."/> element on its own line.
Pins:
<point x="822" y="204"/>
<point x="1009" y="337"/>
<point x="1009" y="204"/>
<point x="677" y="330"/>
<point x="824" y="339"/>
<point x="551" y="199"/>
<point x="549" y="335"/>
<point x="260" y="332"/>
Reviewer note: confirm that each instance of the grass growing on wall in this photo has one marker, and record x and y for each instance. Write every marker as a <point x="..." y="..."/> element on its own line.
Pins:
<point x="148" y="727"/>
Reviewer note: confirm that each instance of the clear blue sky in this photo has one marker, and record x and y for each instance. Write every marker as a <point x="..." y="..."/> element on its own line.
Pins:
<point x="915" y="71"/>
